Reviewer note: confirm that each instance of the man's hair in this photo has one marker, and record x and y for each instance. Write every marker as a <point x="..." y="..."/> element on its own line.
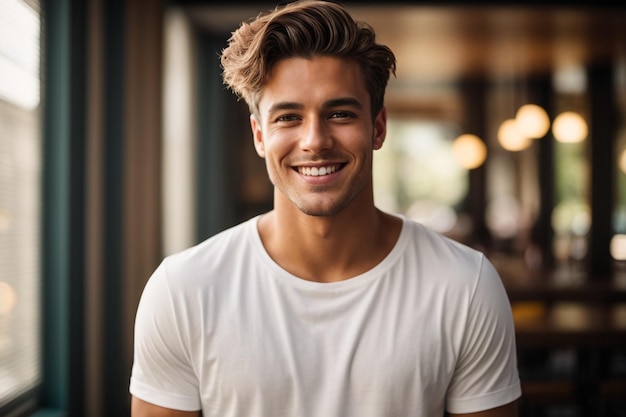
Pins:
<point x="305" y="29"/>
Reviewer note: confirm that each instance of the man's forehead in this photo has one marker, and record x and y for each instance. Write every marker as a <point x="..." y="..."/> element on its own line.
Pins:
<point x="328" y="80"/>
<point x="346" y="101"/>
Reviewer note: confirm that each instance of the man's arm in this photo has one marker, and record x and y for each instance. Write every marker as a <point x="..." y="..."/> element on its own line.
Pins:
<point x="140" y="408"/>
<point x="508" y="410"/>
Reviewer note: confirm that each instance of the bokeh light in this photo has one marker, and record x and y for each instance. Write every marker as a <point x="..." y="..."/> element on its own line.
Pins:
<point x="510" y="137"/>
<point x="532" y="121"/>
<point x="569" y="127"/>
<point x="469" y="151"/>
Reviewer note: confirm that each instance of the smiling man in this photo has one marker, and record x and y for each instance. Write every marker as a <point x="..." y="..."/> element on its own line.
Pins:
<point x="324" y="306"/>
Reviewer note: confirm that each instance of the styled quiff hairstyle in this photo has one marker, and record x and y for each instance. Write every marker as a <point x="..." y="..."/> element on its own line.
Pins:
<point x="305" y="29"/>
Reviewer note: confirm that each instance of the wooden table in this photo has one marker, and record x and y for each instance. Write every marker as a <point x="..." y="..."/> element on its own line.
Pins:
<point x="567" y="310"/>
<point x="570" y="324"/>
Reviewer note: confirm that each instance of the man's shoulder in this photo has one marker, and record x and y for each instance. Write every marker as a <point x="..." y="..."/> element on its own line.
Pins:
<point x="440" y="256"/>
<point x="425" y="239"/>
<point x="232" y="235"/>
<point x="225" y="248"/>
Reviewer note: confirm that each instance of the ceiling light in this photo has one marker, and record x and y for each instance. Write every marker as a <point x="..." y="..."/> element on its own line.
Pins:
<point x="510" y="138"/>
<point x="532" y="121"/>
<point x="569" y="127"/>
<point x="469" y="151"/>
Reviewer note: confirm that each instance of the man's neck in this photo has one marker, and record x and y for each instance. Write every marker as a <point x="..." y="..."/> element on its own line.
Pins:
<point x="328" y="248"/>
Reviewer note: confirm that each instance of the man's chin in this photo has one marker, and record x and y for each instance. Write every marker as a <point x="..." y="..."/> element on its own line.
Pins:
<point x="320" y="210"/>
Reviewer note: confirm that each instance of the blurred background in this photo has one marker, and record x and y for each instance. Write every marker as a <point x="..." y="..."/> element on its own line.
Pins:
<point x="119" y="145"/>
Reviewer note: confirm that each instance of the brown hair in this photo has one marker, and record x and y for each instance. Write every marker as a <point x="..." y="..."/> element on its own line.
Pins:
<point x="303" y="29"/>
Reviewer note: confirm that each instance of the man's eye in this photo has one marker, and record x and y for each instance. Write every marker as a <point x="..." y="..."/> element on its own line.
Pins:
<point x="340" y="115"/>
<point x="287" y="118"/>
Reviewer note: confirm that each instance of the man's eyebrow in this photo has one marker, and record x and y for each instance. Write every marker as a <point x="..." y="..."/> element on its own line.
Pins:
<point x="335" y="102"/>
<point x="285" y="105"/>
<point x="344" y="101"/>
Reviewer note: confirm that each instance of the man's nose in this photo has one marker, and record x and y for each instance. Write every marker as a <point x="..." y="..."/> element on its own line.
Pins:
<point x="315" y="136"/>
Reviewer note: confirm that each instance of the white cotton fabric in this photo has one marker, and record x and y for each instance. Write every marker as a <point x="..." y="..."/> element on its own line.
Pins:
<point x="221" y="327"/>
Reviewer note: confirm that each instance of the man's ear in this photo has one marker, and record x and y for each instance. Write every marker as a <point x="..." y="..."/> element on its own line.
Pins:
<point x="257" y="135"/>
<point x="380" y="128"/>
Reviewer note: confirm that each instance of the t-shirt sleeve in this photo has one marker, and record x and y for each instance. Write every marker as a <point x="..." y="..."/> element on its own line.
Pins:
<point x="486" y="374"/>
<point x="162" y="372"/>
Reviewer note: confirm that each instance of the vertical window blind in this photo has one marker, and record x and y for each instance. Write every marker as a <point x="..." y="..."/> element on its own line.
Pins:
<point x="20" y="198"/>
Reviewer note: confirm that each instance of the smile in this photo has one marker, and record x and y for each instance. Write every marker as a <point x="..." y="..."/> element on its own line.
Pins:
<point x="318" y="171"/>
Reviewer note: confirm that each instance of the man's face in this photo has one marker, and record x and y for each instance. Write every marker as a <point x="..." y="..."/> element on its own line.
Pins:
<point x="315" y="130"/>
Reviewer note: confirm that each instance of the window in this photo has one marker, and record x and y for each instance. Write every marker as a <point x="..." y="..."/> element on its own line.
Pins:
<point x="417" y="175"/>
<point x="20" y="198"/>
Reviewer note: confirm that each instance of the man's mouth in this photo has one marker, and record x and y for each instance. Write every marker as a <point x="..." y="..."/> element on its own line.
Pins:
<point x="318" y="171"/>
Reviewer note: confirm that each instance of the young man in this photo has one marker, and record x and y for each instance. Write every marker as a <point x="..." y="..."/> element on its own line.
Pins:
<point x="324" y="306"/>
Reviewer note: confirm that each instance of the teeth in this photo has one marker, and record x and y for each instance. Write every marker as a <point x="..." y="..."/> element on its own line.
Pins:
<point x="317" y="172"/>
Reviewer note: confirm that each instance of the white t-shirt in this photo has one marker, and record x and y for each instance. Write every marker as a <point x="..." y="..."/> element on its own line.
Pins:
<point x="221" y="327"/>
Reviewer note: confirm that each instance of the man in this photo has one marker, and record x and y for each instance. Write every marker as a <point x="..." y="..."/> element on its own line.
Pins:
<point x="324" y="306"/>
